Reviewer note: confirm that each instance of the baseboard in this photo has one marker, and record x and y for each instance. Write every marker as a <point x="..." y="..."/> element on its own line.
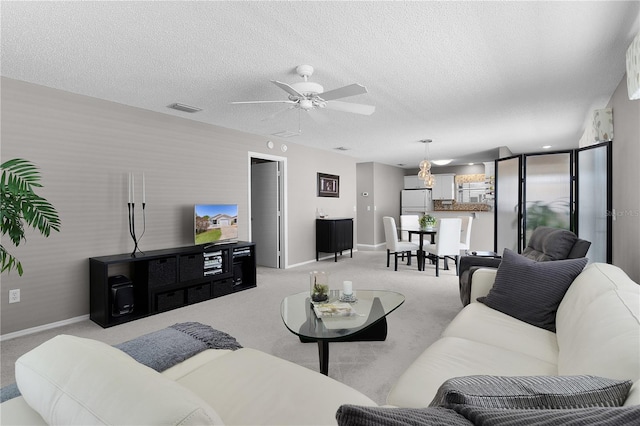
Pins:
<point x="372" y="247"/>
<point x="330" y="256"/>
<point x="39" y="328"/>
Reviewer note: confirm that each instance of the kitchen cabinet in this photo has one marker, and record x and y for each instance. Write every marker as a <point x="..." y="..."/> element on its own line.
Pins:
<point x="444" y="188"/>
<point x="413" y="182"/>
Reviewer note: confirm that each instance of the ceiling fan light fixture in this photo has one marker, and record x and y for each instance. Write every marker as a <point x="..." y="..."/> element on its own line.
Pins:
<point x="306" y="104"/>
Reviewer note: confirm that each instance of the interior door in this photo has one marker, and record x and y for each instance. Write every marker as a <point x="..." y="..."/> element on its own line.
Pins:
<point x="594" y="200"/>
<point x="508" y="213"/>
<point x="548" y="192"/>
<point x="265" y="212"/>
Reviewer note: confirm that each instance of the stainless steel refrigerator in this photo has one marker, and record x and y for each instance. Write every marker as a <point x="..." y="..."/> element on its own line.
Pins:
<point x="416" y="201"/>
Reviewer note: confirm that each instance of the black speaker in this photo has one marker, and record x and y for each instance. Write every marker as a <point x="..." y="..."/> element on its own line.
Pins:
<point x="121" y="295"/>
<point x="237" y="274"/>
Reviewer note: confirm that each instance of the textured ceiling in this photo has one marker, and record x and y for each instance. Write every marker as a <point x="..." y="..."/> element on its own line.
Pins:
<point x="472" y="76"/>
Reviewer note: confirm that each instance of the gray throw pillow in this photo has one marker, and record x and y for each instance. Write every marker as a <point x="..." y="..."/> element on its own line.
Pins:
<point x="532" y="392"/>
<point x="356" y="415"/>
<point x="532" y="291"/>
<point x="548" y="243"/>
<point x="610" y="416"/>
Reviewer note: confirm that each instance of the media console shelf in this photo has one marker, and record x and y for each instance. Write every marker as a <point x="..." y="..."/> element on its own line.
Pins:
<point x="125" y="288"/>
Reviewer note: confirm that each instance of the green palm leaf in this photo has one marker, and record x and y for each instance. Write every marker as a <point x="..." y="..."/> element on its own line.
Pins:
<point x="20" y="205"/>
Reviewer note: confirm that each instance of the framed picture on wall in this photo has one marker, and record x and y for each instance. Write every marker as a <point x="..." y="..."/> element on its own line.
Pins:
<point x="328" y="185"/>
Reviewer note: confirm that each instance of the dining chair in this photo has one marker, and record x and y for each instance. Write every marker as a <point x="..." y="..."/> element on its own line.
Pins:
<point x="394" y="245"/>
<point x="408" y="221"/>
<point x="447" y="242"/>
<point x="465" y="233"/>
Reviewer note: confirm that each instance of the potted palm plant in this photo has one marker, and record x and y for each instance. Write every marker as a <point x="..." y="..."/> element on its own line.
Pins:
<point x="20" y="206"/>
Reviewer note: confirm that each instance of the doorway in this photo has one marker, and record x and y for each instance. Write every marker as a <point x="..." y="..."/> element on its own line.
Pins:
<point x="267" y="207"/>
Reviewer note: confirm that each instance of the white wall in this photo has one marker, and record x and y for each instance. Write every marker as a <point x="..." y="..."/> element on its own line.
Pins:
<point x="85" y="147"/>
<point x="626" y="176"/>
<point x="383" y="184"/>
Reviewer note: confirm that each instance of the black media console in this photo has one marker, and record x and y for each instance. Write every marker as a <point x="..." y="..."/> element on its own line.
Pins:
<point x="125" y="288"/>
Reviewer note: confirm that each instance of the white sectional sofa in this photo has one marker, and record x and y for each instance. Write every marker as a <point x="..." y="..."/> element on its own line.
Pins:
<point x="598" y="333"/>
<point x="70" y="380"/>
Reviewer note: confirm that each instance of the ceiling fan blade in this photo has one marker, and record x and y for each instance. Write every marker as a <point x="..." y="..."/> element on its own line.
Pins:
<point x="264" y="102"/>
<point x="343" y="92"/>
<point x="290" y="90"/>
<point x="350" y="107"/>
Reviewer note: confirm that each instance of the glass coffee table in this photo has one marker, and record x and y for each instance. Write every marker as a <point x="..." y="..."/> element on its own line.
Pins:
<point x="367" y="324"/>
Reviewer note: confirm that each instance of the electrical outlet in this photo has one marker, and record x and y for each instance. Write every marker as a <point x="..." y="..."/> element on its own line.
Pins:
<point x="14" y="295"/>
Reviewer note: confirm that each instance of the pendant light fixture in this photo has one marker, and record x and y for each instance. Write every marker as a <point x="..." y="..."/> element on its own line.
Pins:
<point x="425" y="166"/>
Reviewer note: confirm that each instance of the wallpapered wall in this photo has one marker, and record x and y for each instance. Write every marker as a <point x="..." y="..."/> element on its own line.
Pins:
<point x="85" y="149"/>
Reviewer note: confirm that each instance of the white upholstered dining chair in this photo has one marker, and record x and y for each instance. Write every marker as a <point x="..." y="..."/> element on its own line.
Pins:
<point x="465" y="233"/>
<point x="408" y="221"/>
<point x="394" y="245"/>
<point x="447" y="242"/>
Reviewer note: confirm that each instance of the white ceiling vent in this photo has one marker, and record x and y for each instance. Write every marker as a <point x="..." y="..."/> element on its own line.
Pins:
<point x="185" y="108"/>
<point x="285" y="134"/>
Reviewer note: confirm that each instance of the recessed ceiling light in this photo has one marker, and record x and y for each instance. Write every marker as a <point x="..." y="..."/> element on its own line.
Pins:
<point x="441" y="162"/>
<point x="546" y="147"/>
<point x="185" y="108"/>
<point x="471" y="164"/>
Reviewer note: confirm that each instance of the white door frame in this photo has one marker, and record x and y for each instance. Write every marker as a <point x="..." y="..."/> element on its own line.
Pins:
<point x="284" y="228"/>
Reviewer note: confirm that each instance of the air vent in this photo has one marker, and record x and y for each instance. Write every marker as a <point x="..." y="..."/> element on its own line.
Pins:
<point x="185" y="108"/>
<point x="341" y="148"/>
<point x="285" y="134"/>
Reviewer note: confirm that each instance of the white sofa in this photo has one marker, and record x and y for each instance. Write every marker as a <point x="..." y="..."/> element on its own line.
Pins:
<point x="70" y="380"/>
<point x="597" y="333"/>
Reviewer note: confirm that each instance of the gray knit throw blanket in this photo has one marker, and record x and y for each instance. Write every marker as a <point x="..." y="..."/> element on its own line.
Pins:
<point x="164" y="348"/>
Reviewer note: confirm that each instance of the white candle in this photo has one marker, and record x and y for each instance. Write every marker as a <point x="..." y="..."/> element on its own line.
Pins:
<point x="133" y="188"/>
<point x="347" y="288"/>
<point x="129" y="188"/>
<point x="144" y="191"/>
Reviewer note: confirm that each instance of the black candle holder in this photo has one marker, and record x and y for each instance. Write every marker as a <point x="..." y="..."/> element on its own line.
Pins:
<point x="132" y="226"/>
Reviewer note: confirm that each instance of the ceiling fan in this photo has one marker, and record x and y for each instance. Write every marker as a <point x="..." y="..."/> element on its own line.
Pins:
<point x="306" y="95"/>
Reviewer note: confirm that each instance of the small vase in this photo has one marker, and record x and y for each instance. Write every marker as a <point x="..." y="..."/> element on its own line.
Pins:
<point x="318" y="286"/>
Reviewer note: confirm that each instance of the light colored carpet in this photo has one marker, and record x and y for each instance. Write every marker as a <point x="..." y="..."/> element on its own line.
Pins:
<point x="253" y="318"/>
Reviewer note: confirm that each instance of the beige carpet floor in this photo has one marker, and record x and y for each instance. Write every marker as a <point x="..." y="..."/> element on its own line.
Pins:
<point x="253" y="318"/>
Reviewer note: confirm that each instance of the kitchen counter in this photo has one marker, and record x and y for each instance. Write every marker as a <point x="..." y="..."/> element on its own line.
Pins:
<point x="439" y="205"/>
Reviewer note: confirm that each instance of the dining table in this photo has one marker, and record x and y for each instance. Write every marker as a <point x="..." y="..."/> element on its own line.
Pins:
<point x="422" y="232"/>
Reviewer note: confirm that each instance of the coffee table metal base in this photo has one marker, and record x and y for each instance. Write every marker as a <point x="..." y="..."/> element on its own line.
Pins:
<point x="377" y="332"/>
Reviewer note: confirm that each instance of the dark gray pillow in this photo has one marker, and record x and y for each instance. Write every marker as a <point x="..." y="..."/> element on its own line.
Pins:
<point x="531" y="291"/>
<point x="611" y="416"/>
<point x="356" y="415"/>
<point x="532" y="392"/>
<point x="547" y="243"/>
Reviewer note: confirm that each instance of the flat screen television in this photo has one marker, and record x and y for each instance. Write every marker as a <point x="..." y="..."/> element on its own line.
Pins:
<point x="214" y="223"/>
